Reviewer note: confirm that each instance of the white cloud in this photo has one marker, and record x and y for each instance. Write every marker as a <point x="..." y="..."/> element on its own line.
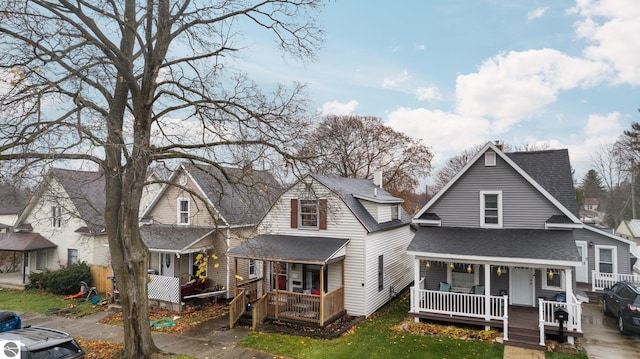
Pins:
<point x="395" y="80"/>
<point x="427" y="93"/>
<point x="516" y="85"/>
<point x="532" y="15"/>
<point x="419" y="47"/>
<point x="445" y="132"/>
<point x="612" y="28"/>
<point x="338" y="108"/>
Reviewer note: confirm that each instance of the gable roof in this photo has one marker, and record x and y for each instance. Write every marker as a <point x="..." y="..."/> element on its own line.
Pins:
<point x="351" y="190"/>
<point x="85" y="189"/>
<point x="632" y="225"/>
<point x="240" y="196"/>
<point x="539" y="163"/>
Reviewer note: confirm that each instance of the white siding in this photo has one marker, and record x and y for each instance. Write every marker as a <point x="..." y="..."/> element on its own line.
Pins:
<point x="372" y="208"/>
<point x="398" y="265"/>
<point x="341" y="223"/>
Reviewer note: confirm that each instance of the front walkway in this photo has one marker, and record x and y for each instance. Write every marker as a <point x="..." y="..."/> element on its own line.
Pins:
<point x="12" y="280"/>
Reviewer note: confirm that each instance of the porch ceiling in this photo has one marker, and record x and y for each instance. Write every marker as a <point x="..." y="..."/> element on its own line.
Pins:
<point x="513" y="246"/>
<point x="299" y="249"/>
<point x="24" y="242"/>
<point x="174" y="238"/>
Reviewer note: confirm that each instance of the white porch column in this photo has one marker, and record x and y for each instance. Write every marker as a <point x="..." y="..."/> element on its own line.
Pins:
<point x="568" y="286"/>
<point x="415" y="296"/>
<point x="487" y="294"/>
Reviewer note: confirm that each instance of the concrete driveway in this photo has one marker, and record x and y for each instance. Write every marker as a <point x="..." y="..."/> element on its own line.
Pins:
<point x="602" y="338"/>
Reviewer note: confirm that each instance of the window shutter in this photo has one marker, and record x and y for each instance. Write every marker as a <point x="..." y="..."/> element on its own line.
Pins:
<point x="294" y="213"/>
<point x="323" y="213"/>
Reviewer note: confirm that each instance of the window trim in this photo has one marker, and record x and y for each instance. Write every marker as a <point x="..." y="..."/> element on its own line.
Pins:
<point x="253" y="265"/>
<point x="614" y="258"/>
<point x="41" y="263"/>
<point x="395" y="211"/>
<point x="483" y="223"/>
<point x="180" y="211"/>
<point x="69" y="256"/>
<point x="317" y="214"/>
<point x="545" y="284"/>
<point x="490" y="159"/>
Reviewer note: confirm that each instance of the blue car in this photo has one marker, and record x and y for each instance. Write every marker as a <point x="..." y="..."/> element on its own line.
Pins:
<point x="623" y="301"/>
<point x="9" y="321"/>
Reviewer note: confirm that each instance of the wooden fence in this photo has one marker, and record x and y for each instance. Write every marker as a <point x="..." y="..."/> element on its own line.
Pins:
<point x="99" y="276"/>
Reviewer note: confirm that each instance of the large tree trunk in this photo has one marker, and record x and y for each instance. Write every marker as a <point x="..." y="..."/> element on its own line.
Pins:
<point x="129" y="258"/>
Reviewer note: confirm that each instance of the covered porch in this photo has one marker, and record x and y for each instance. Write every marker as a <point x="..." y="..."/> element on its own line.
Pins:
<point x="291" y="278"/>
<point x="493" y="277"/>
<point x="20" y="246"/>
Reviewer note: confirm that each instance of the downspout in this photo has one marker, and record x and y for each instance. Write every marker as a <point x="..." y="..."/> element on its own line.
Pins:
<point x="228" y="240"/>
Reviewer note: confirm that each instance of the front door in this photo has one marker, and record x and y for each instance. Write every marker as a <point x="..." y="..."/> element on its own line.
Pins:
<point x="582" y="271"/>
<point x="521" y="292"/>
<point x="167" y="264"/>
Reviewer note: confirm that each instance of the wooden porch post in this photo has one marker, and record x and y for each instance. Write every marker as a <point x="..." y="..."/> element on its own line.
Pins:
<point x="235" y="278"/>
<point x="487" y="294"/>
<point x="321" y="295"/>
<point x="568" y="286"/>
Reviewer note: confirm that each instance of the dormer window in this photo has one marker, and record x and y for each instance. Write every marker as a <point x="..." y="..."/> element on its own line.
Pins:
<point x="491" y="209"/>
<point x="183" y="211"/>
<point x="395" y="214"/>
<point x="489" y="158"/>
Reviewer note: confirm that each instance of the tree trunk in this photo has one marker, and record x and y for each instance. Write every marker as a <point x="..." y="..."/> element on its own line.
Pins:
<point x="129" y="258"/>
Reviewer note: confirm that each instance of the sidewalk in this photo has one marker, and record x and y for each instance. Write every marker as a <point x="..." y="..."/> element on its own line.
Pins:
<point x="210" y="341"/>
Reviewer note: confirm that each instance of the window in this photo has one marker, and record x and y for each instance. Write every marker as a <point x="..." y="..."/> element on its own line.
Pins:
<point x="394" y="211"/>
<point x="491" y="209"/>
<point x="311" y="278"/>
<point x="56" y="216"/>
<point x="183" y="211"/>
<point x="72" y="256"/>
<point x="461" y="279"/>
<point x="252" y="268"/>
<point x="380" y="273"/>
<point x="605" y="259"/>
<point x="308" y="213"/>
<point x="41" y="260"/>
<point x="553" y="282"/>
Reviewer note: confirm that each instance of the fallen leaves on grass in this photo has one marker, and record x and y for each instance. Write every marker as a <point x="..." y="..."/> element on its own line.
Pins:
<point x="447" y="330"/>
<point x="185" y="320"/>
<point x="99" y="349"/>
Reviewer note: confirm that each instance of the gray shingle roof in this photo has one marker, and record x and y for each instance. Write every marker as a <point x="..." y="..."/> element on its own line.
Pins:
<point x="552" y="170"/>
<point x="311" y="250"/>
<point x="21" y="242"/>
<point x="175" y="238"/>
<point x="346" y="188"/>
<point x="12" y="200"/>
<point x="86" y="190"/>
<point x="528" y="244"/>
<point x="243" y="197"/>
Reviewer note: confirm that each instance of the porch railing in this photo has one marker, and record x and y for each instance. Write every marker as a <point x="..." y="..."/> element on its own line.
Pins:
<point x="258" y="312"/>
<point x="546" y="310"/>
<point x="305" y="307"/>
<point x="237" y="307"/>
<point x="600" y="281"/>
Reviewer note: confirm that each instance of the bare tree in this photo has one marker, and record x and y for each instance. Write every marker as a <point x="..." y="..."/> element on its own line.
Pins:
<point x="610" y="162"/>
<point x="452" y="167"/>
<point x="357" y="146"/>
<point x="126" y="84"/>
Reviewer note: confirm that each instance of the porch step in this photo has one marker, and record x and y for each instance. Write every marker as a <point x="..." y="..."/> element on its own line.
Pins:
<point x="11" y="285"/>
<point x="524" y="338"/>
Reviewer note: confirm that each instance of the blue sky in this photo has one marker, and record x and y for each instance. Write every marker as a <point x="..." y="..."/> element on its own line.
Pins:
<point x="461" y="73"/>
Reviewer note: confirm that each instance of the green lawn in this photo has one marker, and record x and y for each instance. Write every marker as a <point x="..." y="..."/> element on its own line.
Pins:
<point x="374" y="338"/>
<point x="42" y="302"/>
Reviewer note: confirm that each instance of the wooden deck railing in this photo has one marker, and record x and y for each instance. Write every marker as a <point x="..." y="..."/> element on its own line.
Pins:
<point x="600" y="281"/>
<point x="304" y="307"/>
<point x="236" y="307"/>
<point x="258" y="311"/>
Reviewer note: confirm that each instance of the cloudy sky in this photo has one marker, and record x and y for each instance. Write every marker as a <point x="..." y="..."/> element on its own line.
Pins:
<point x="463" y="72"/>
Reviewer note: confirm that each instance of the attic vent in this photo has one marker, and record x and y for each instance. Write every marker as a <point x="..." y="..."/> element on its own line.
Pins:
<point x="489" y="158"/>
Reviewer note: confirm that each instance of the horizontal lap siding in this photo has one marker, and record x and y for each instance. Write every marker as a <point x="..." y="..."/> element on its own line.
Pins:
<point x="624" y="265"/>
<point x="523" y="206"/>
<point x="341" y="223"/>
